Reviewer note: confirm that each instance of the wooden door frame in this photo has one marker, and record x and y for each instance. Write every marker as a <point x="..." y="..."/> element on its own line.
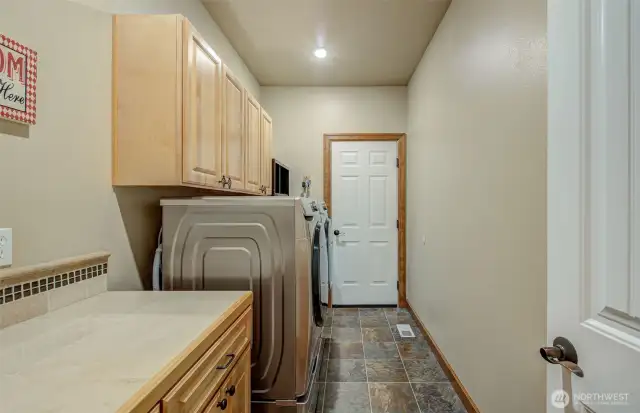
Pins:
<point x="401" y="138"/>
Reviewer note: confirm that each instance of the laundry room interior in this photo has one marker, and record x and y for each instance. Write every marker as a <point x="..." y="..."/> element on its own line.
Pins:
<point x="284" y="206"/>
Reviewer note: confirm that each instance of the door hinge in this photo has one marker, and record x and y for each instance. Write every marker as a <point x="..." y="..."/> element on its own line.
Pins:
<point x="397" y="162"/>
<point x="398" y="285"/>
<point x="397" y="224"/>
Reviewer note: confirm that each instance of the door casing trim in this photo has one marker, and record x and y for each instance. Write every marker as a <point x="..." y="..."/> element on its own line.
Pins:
<point x="401" y="138"/>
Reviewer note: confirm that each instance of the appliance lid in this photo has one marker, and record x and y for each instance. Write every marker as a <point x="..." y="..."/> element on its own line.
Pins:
<point x="244" y="201"/>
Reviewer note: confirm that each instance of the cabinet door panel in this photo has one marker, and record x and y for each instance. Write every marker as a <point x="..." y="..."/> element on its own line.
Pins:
<point x="233" y="130"/>
<point x="201" y="134"/>
<point x="254" y="151"/>
<point x="241" y="379"/>
<point x="218" y="403"/>
<point x="266" y="138"/>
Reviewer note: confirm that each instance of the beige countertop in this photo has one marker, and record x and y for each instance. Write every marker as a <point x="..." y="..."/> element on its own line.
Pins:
<point x="93" y="356"/>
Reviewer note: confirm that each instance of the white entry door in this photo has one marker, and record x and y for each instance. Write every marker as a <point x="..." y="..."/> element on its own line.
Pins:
<point x="364" y="204"/>
<point x="594" y="203"/>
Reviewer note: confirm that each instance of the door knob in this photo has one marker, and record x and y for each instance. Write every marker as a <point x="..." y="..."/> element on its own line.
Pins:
<point x="222" y="404"/>
<point x="231" y="390"/>
<point x="564" y="354"/>
<point x="337" y="233"/>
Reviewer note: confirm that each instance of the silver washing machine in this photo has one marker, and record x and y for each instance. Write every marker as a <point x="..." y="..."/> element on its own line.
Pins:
<point x="261" y="244"/>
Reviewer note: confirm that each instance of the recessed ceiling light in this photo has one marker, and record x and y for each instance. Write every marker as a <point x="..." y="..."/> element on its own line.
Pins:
<point x="320" y="53"/>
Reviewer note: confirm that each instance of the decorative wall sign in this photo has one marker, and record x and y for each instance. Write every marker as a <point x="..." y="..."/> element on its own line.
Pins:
<point x="18" y="74"/>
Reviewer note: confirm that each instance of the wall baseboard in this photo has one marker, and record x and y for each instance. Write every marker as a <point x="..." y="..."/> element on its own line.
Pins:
<point x="464" y="396"/>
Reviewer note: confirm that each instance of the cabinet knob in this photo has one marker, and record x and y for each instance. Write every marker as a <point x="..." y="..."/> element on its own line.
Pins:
<point x="222" y="404"/>
<point x="231" y="390"/>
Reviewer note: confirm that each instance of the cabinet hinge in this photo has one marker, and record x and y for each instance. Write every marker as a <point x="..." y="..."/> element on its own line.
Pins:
<point x="397" y="285"/>
<point x="397" y="162"/>
<point x="397" y="224"/>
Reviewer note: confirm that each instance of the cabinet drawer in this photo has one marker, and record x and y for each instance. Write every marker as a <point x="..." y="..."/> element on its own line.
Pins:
<point x="199" y="384"/>
<point x="235" y="394"/>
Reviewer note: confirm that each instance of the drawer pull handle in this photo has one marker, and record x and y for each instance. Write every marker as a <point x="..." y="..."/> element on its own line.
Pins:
<point x="228" y="363"/>
<point x="231" y="390"/>
<point x="222" y="404"/>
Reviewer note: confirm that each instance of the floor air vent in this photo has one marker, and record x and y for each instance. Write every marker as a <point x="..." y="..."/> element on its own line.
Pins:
<point x="405" y="330"/>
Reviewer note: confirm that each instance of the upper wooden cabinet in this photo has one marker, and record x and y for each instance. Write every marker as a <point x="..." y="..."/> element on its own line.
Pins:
<point x="254" y="149"/>
<point x="233" y="138"/>
<point x="180" y="117"/>
<point x="201" y="156"/>
<point x="147" y="100"/>
<point x="266" y="142"/>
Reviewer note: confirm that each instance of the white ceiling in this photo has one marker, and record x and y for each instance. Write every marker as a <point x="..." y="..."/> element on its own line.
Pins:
<point x="369" y="42"/>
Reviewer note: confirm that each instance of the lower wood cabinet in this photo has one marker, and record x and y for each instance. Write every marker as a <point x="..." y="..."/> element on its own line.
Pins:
<point x="213" y="374"/>
<point x="220" y="379"/>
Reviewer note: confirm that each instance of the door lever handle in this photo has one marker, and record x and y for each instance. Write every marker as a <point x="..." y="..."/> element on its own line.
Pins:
<point x="572" y="367"/>
<point x="564" y="354"/>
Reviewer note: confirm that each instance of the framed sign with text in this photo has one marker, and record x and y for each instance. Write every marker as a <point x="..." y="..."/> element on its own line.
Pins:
<point x="18" y="74"/>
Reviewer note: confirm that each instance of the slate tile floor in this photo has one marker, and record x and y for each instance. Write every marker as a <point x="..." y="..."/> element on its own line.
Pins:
<point x="369" y="368"/>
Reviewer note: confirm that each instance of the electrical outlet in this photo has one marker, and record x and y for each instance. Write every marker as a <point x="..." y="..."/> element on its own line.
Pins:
<point x="6" y="247"/>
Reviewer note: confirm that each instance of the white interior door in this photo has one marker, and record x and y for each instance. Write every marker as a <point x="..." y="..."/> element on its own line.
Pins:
<point x="594" y="202"/>
<point x="364" y="203"/>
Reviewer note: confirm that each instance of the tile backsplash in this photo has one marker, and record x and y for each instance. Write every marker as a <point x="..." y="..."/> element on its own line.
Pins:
<point x="51" y="286"/>
<point x="30" y="288"/>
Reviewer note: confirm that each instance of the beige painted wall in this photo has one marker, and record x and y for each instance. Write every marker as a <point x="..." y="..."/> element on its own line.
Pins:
<point x="56" y="189"/>
<point x="301" y="115"/>
<point x="199" y="16"/>
<point x="477" y="192"/>
<point x="56" y="192"/>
